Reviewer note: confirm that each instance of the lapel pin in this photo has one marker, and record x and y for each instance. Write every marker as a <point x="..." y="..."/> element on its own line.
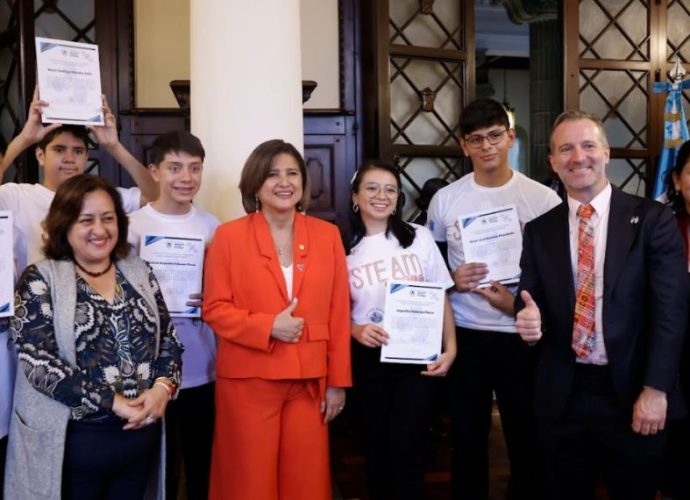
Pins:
<point x="300" y="267"/>
<point x="634" y="220"/>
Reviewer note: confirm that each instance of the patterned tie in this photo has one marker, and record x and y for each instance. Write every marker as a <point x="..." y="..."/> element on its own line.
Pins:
<point x="583" y="328"/>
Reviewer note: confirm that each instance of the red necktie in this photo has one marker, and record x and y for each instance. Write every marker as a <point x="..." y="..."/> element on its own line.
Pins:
<point x="583" y="327"/>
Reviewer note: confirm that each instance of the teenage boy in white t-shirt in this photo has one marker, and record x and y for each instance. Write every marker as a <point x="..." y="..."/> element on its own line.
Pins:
<point x="62" y="152"/>
<point x="490" y="356"/>
<point x="176" y="165"/>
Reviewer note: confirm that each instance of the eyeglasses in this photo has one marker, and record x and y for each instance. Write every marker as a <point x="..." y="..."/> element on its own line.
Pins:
<point x="389" y="190"/>
<point x="477" y="141"/>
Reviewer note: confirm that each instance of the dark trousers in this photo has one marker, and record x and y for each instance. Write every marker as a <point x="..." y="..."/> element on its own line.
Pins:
<point x="189" y="439"/>
<point x="676" y="481"/>
<point x="3" y="454"/>
<point x="594" y="441"/>
<point x="104" y="462"/>
<point x="395" y="413"/>
<point x="488" y="363"/>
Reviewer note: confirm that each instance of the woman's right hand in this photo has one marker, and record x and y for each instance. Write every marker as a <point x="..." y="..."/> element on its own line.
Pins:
<point x="287" y="328"/>
<point x="370" y="335"/>
<point x="122" y="408"/>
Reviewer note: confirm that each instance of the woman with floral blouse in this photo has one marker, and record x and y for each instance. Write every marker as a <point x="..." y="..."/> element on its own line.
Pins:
<point x="98" y="358"/>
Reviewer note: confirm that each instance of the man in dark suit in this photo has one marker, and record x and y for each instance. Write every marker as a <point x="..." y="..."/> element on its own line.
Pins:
<point x="604" y="296"/>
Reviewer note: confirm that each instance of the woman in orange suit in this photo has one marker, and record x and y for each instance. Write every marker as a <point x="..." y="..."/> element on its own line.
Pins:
<point x="276" y="294"/>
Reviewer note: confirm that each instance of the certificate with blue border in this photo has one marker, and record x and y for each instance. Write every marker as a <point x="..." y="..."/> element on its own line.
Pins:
<point x="69" y="80"/>
<point x="178" y="264"/>
<point x="7" y="266"/>
<point x="493" y="237"/>
<point x="413" y="319"/>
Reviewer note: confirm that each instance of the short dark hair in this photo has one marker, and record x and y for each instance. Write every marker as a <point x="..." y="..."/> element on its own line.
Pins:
<point x="482" y="113"/>
<point x="402" y="231"/>
<point x="575" y="115"/>
<point x="258" y="166"/>
<point x="676" y="197"/>
<point x="175" y="141"/>
<point x="64" y="212"/>
<point x="77" y="131"/>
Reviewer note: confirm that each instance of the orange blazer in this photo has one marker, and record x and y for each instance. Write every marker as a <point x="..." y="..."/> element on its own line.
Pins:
<point x="244" y="289"/>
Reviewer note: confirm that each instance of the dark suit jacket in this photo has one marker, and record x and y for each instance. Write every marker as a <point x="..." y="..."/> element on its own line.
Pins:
<point x="645" y="301"/>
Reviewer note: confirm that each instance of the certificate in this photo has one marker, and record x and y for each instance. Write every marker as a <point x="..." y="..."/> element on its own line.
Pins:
<point x="494" y="238"/>
<point x="6" y="264"/>
<point x="69" y="79"/>
<point x="178" y="264"/>
<point x="413" y="319"/>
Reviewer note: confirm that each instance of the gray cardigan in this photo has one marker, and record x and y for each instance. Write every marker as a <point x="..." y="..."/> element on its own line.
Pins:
<point x="38" y="423"/>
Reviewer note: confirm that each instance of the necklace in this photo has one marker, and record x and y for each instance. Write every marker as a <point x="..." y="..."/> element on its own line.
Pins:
<point x="284" y="247"/>
<point x="92" y="274"/>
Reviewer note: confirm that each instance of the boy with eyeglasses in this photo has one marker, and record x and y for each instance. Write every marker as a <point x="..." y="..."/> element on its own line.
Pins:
<point x="491" y="357"/>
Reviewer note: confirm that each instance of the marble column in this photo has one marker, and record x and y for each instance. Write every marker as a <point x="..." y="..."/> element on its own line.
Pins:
<point x="246" y="87"/>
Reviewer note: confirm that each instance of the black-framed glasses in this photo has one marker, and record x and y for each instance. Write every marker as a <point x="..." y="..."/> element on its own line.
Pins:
<point x="494" y="137"/>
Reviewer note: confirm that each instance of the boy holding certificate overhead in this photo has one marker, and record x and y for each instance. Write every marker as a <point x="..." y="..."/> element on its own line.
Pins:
<point x="482" y="215"/>
<point x="172" y="234"/>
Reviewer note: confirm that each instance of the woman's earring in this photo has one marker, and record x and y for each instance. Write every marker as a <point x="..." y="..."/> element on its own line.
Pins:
<point x="257" y="202"/>
<point x="394" y="210"/>
<point x="299" y="206"/>
<point x="355" y="207"/>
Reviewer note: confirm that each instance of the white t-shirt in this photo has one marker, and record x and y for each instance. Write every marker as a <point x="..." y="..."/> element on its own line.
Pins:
<point x="465" y="196"/>
<point x="377" y="258"/>
<point x="29" y="204"/>
<point x="199" y="357"/>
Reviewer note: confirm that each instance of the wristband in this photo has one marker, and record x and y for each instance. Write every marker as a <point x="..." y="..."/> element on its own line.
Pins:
<point x="167" y="383"/>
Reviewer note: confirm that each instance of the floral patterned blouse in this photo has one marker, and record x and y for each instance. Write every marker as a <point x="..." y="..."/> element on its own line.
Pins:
<point x="115" y="344"/>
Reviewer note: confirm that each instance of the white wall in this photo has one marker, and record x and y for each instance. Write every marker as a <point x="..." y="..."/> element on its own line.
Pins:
<point x="320" y="51"/>
<point x="162" y="50"/>
<point x="161" y="40"/>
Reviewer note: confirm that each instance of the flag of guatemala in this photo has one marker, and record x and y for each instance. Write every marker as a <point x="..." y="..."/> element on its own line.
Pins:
<point x="675" y="132"/>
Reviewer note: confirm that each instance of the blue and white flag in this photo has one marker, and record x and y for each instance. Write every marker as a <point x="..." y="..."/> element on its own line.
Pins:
<point x="675" y="132"/>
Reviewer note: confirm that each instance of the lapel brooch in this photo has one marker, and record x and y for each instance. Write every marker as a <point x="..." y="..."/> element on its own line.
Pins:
<point x="634" y="220"/>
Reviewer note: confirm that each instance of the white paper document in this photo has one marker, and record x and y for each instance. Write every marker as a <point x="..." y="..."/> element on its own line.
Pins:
<point x="494" y="238"/>
<point x="6" y="264"/>
<point x="413" y="319"/>
<point x="178" y="264"/>
<point x="69" y="80"/>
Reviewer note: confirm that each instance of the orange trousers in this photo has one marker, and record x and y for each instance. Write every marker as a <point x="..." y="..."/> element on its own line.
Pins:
<point x="270" y="442"/>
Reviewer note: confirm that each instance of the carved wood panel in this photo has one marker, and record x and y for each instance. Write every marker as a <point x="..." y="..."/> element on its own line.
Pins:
<point x="419" y="74"/>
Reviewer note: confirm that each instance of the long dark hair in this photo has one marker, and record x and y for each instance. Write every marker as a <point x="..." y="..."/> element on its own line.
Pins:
<point x="674" y="197"/>
<point x="402" y="231"/>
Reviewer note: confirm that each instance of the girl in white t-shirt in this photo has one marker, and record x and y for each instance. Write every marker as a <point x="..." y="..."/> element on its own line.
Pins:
<point x="394" y="399"/>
